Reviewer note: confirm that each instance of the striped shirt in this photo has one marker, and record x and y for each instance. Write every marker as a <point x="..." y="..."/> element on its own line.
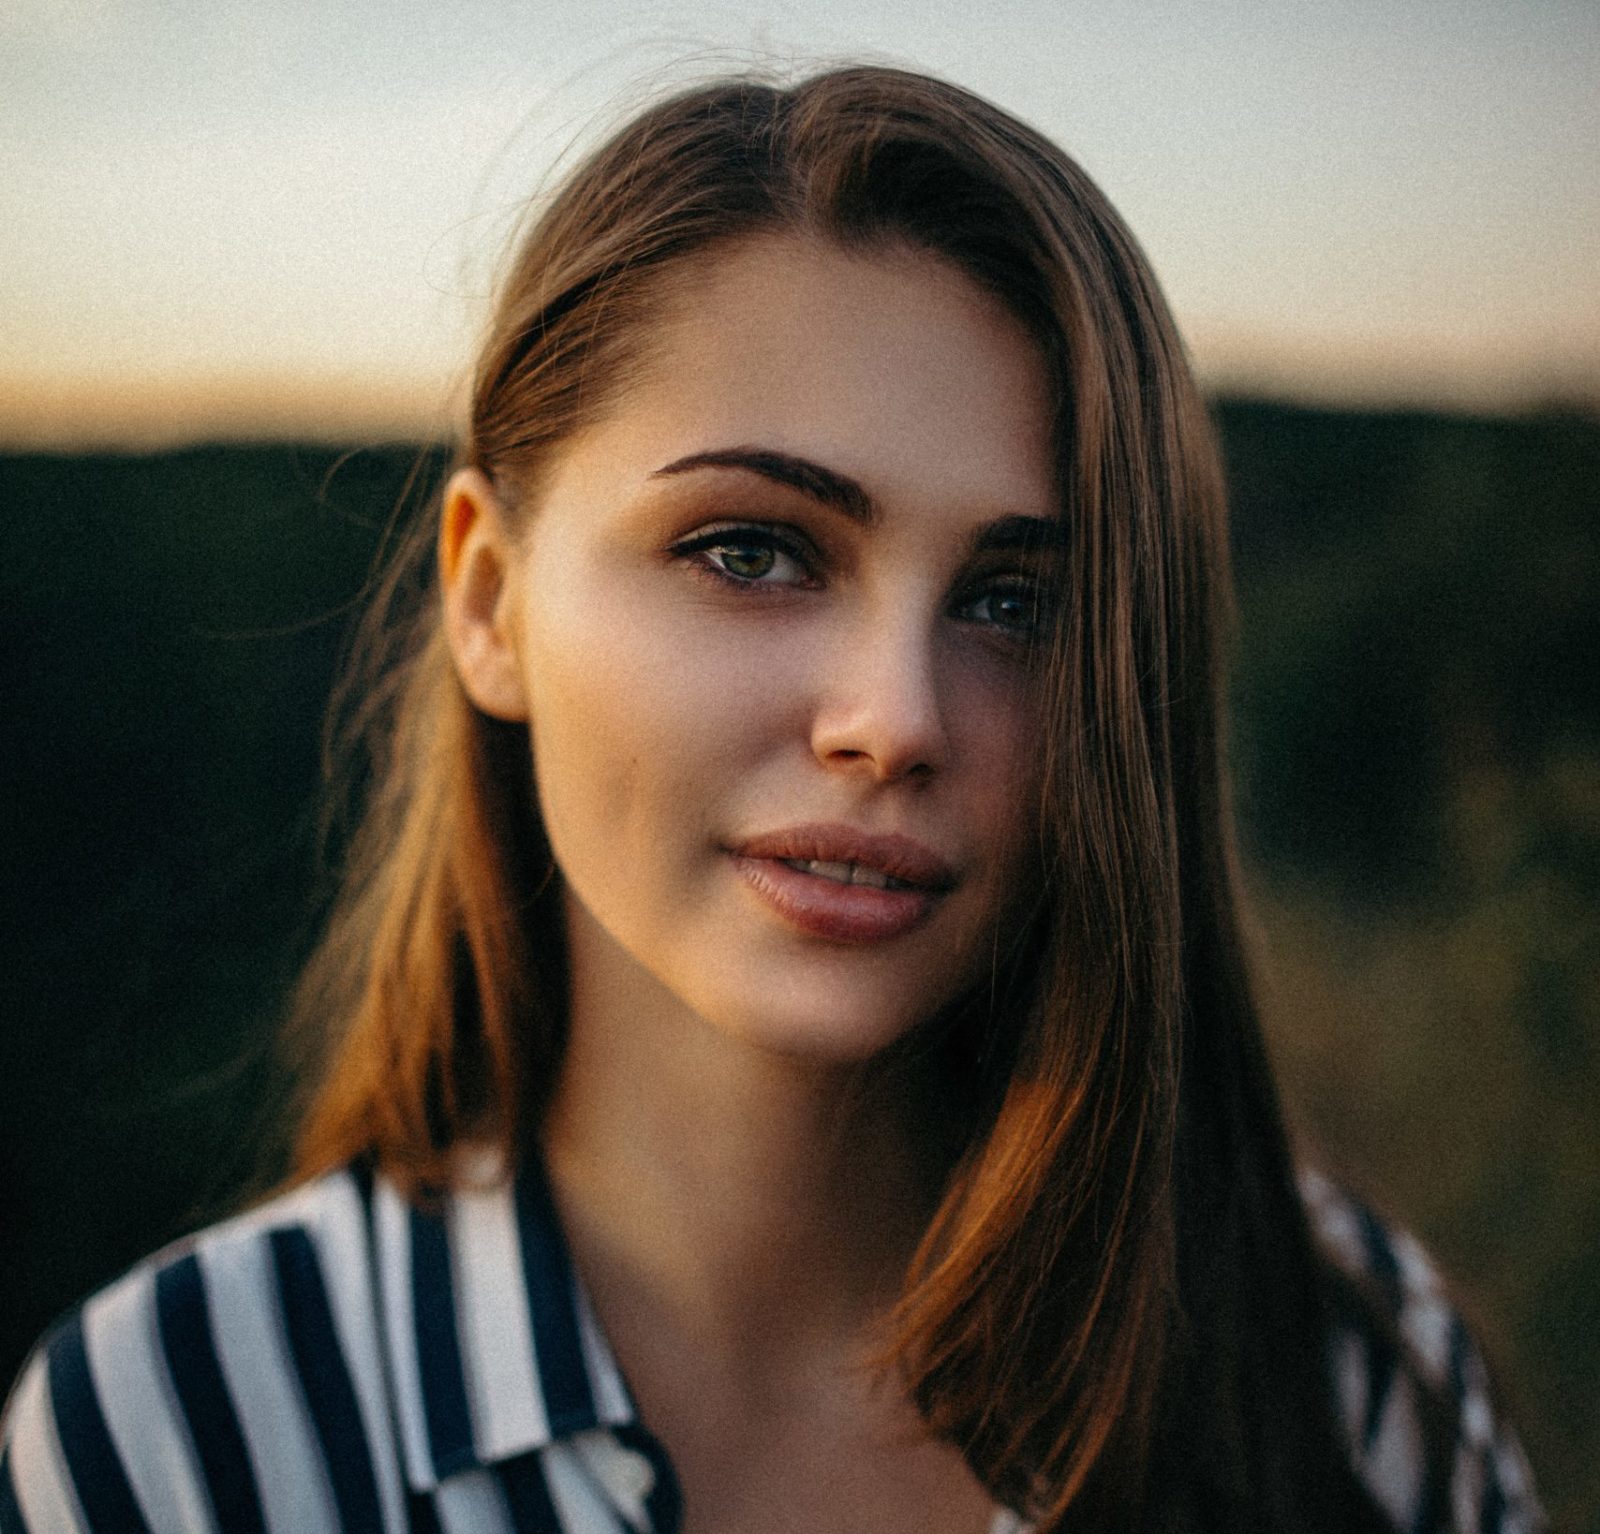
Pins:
<point x="339" y="1360"/>
<point x="1378" y="1378"/>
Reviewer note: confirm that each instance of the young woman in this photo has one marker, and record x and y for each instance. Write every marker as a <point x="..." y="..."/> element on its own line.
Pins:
<point x="794" y="1062"/>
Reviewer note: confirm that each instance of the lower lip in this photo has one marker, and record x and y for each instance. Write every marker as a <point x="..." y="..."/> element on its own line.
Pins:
<point x="844" y="913"/>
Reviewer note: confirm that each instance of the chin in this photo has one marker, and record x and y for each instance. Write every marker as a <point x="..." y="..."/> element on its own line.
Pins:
<point x="822" y="1041"/>
<point x="826" y="1026"/>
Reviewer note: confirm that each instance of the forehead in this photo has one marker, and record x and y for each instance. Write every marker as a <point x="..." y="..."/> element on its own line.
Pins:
<point x="892" y="367"/>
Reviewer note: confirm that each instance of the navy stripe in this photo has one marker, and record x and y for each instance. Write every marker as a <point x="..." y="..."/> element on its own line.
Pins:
<point x="443" y="1384"/>
<point x="1459" y="1347"/>
<point x="1384" y="1270"/>
<point x="308" y="1322"/>
<point x="1491" y="1513"/>
<point x="552" y="1302"/>
<point x="1382" y="1363"/>
<point x="10" y="1510"/>
<point x="665" y="1501"/>
<point x="528" y="1496"/>
<point x="422" y="1516"/>
<point x="1433" y="1501"/>
<point x="1382" y="1265"/>
<point x="191" y="1353"/>
<point x="102" y="1484"/>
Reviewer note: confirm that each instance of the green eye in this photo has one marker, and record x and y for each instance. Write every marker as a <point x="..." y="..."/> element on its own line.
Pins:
<point x="748" y="556"/>
<point x="747" y="561"/>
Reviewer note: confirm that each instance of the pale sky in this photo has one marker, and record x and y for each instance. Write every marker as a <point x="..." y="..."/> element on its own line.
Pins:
<point x="263" y="215"/>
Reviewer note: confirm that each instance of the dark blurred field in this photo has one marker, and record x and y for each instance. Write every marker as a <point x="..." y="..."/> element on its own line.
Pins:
<point x="1418" y="752"/>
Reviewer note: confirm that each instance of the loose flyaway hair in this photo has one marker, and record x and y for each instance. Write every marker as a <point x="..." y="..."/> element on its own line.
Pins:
<point x="1116" y="1313"/>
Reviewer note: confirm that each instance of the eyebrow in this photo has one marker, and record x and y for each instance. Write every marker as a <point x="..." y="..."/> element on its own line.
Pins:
<point x="822" y="484"/>
<point x="1028" y="535"/>
<point x="831" y="488"/>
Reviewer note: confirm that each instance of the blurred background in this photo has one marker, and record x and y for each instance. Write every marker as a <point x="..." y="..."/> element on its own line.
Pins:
<point x="243" y="253"/>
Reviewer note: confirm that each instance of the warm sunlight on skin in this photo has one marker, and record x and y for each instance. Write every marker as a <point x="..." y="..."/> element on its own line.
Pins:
<point x="770" y="625"/>
<point x="758" y="598"/>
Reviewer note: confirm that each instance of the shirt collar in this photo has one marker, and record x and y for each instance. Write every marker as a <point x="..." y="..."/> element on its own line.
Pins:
<point x="493" y="1346"/>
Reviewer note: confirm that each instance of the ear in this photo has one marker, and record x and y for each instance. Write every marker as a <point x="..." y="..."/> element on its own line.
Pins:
<point x="477" y="576"/>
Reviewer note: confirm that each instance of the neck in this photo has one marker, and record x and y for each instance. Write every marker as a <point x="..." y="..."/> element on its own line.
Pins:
<point x="763" y="1204"/>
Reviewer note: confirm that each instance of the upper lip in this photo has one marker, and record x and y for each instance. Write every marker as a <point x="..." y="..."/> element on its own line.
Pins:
<point x="900" y="857"/>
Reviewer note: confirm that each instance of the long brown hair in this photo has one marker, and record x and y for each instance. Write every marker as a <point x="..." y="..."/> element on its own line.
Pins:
<point x="1116" y="1313"/>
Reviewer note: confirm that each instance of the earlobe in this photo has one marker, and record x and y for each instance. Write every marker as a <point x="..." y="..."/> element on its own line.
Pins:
<point x="477" y="579"/>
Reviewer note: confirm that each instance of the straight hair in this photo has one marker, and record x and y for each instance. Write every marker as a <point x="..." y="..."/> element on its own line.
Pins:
<point x="1116" y="1312"/>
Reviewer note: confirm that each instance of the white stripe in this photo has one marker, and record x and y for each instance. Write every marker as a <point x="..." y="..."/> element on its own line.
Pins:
<point x="1315" y="1189"/>
<point x="472" y="1503"/>
<point x="254" y="1354"/>
<point x="576" y="1492"/>
<point x="1516" y="1481"/>
<point x="44" y="1493"/>
<point x="625" y="1475"/>
<point x="1425" y="1314"/>
<point x="1334" y="1222"/>
<point x="338" y="1227"/>
<point x="393" y="1218"/>
<point x="141" y="1408"/>
<point x="1426" y="1324"/>
<point x="611" y="1400"/>
<point x="1392" y="1467"/>
<point x="507" y="1405"/>
<point x="1466" y="1488"/>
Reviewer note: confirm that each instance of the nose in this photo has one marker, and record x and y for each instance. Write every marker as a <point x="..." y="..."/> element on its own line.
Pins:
<point x="880" y="706"/>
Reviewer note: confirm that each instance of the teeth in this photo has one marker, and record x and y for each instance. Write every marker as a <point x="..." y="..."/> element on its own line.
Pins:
<point x="838" y="872"/>
<point x="847" y="873"/>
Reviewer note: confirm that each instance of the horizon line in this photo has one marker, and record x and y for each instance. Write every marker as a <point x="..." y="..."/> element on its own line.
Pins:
<point x="163" y="414"/>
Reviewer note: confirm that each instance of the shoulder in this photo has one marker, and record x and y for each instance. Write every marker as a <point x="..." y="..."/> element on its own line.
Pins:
<point x="243" y="1357"/>
<point x="1412" y="1390"/>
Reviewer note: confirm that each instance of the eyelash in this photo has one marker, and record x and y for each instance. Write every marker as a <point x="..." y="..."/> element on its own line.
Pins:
<point x="702" y="548"/>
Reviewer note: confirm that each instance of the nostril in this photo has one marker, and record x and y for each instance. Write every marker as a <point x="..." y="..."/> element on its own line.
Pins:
<point x="881" y="710"/>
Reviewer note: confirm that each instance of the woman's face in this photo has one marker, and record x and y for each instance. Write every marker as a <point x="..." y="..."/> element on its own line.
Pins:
<point x="769" y="625"/>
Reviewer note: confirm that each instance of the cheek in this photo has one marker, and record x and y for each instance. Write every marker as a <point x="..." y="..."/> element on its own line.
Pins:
<point x="640" y="726"/>
<point x="1004" y="742"/>
<point x="995" y="714"/>
<point x="602" y="743"/>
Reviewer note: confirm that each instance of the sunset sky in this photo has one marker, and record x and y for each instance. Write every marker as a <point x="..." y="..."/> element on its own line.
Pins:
<point x="271" y="216"/>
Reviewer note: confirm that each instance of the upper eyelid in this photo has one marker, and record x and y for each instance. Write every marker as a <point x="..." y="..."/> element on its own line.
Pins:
<point x="780" y="532"/>
<point x="1010" y="576"/>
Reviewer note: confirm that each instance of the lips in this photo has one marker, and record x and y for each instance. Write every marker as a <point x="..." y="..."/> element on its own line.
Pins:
<point x="845" y="885"/>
